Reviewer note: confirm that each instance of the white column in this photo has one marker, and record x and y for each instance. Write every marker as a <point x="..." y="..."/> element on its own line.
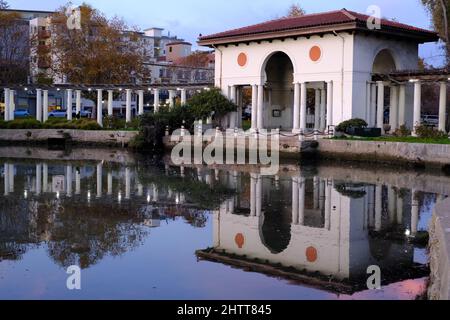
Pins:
<point x="45" y="177"/>
<point x="392" y="205"/>
<point x="402" y="105"/>
<point x="77" y="182"/>
<point x="260" y="107"/>
<point x="303" y="97"/>
<point x="99" y="180"/>
<point x="414" y="212"/>
<point x="373" y="106"/>
<point x="172" y="95"/>
<point x="296" y="120"/>
<point x="253" y="182"/>
<point x="378" y="207"/>
<point x="417" y="105"/>
<point x="183" y="97"/>
<point x="109" y="191"/>
<point x="38" y="179"/>
<point x="301" y="201"/>
<point x="12" y="105"/>
<point x="39" y="105"/>
<point x="45" y="106"/>
<point x="368" y="100"/>
<point x="399" y="210"/>
<point x="110" y="102"/>
<point x="329" y="103"/>
<point x="69" y="93"/>
<point x="78" y="102"/>
<point x="156" y="99"/>
<point x="6" y="114"/>
<point x="317" y="111"/>
<point x="233" y="115"/>
<point x="328" y="191"/>
<point x="323" y="109"/>
<point x="141" y="102"/>
<point x="295" y="200"/>
<point x="11" y="177"/>
<point x="316" y="193"/>
<point x="127" y="183"/>
<point x="259" y="196"/>
<point x="6" y="180"/>
<point x="100" y="107"/>
<point x="393" y="118"/>
<point x="443" y="106"/>
<point x="380" y="106"/>
<point x="128" y="106"/>
<point x="69" y="178"/>
<point x="254" y="107"/>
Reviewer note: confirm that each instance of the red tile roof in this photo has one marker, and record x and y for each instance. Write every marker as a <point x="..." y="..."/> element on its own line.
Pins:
<point x="313" y="22"/>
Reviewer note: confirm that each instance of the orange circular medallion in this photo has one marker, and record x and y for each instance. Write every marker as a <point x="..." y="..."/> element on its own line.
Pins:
<point x="240" y="240"/>
<point x="242" y="59"/>
<point x="311" y="254"/>
<point x="315" y="53"/>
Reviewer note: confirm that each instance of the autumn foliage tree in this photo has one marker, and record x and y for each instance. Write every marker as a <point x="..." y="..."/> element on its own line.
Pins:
<point x="295" y="10"/>
<point x="103" y="51"/>
<point x="440" y="13"/>
<point x="14" y="48"/>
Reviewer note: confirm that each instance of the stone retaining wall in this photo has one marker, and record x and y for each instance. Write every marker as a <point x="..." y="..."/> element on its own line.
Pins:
<point x="440" y="252"/>
<point x="433" y="155"/>
<point x="83" y="137"/>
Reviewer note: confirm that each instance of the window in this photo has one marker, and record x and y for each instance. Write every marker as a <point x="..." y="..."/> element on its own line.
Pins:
<point x="170" y="49"/>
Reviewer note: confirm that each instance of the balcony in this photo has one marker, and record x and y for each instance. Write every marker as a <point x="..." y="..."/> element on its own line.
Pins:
<point x="43" y="49"/>
<point x="44" y="34"/>
<point x="43" y="63"/>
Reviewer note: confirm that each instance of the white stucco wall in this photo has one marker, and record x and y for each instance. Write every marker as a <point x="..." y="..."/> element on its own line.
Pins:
<point x="346" y="59"/>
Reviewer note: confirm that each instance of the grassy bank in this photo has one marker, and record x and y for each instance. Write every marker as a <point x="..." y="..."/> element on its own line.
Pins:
<point x="399" y="139"/>
<point x="109" y="123"/>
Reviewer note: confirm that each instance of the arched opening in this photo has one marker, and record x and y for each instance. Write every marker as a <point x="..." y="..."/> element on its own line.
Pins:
<point x="384" y="63"/>
<point x="276" y="221"/>
<point x="279" y="95"/>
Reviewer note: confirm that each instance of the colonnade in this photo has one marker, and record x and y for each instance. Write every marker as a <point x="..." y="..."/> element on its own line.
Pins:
<point x="375" y="105"/>
<point x="42" y="102"/>
<point x="323" y="107"/>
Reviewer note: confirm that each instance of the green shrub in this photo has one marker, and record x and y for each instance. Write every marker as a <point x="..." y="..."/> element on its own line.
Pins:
<point x="403" y="131"/>
<point x="113" y="123"/>
<point x="427" y="132"/>
<point x="23" y="124"/>
<point x="353" y="123"/>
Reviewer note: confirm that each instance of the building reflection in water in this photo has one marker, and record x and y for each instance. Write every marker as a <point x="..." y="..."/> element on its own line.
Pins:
<point x="318" y="231"/>
<point x="308" y="228"/>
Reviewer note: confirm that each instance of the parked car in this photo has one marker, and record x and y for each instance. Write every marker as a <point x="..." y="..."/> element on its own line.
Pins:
<point x="430" y="120"/>
<point x="21" y="113"/>
<point x="83" y="114"/>
<point x="58" y="114"/>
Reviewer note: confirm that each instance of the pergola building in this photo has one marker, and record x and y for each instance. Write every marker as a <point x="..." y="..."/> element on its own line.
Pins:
<point x="318" y="70"/>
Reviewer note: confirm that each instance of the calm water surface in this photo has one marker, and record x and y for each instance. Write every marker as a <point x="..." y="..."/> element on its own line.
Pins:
<point x="143" y="229"/>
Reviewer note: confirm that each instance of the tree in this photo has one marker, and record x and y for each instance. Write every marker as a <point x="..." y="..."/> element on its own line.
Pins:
<point x="14" y="48"/>
<point x="104" y="51"/>
<point x="440" y="11"/>
<point x="209" y="102"/>
<point x="4" y="4"/>
<point x="295" y="10"/>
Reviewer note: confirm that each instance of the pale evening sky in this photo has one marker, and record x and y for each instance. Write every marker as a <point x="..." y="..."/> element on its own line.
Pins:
<point x="187" y="19"/>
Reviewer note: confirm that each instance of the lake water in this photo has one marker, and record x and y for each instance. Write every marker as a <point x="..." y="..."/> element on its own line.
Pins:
<point x="140" y="228"/>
